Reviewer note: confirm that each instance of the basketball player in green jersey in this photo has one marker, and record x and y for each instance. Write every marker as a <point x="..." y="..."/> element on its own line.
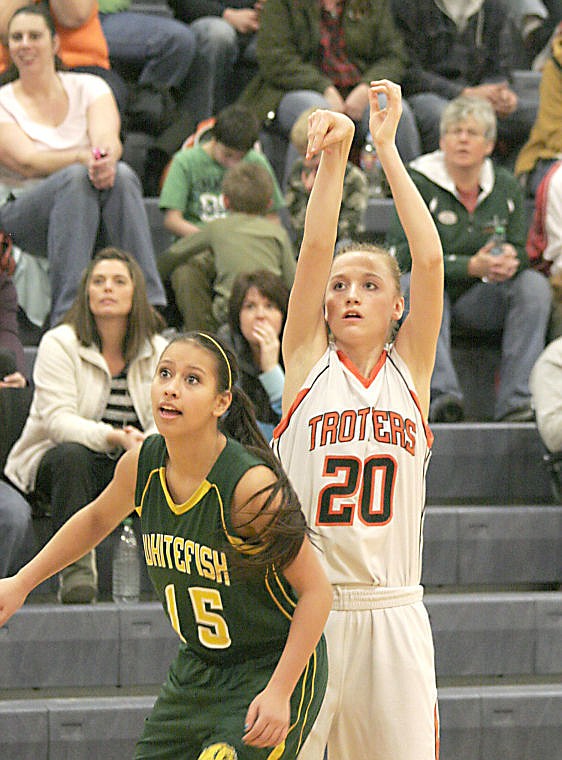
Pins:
<point x="227" y="550"/>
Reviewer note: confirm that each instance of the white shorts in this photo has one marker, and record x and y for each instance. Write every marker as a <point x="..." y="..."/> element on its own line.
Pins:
<point x="381" y="699"/>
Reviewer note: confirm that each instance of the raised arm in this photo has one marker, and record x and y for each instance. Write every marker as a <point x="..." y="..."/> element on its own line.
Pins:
<point x="85" y="530"/>
<point x="305" y="336"/>
<point x="417" y="338"/>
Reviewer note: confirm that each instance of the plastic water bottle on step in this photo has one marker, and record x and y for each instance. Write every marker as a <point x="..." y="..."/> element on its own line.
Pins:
<point x="126" y="566"/>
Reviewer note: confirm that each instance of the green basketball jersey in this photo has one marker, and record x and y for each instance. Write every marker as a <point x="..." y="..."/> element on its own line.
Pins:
<point x="216" y="610"/>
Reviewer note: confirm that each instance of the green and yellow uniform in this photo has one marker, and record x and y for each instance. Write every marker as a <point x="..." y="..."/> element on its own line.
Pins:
<point x="233" y="627"/>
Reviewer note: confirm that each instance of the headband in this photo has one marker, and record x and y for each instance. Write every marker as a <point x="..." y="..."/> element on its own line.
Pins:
<point x="224" y="356"/>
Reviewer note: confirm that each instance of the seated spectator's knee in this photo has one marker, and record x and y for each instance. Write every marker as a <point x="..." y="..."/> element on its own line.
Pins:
<point x="532" y="289"/>
<point x="15" y="517"/>
<point x="64" y="457"/>
<point x="126" y="176"/>
<point x="214" y="35"/>
<point x="76" y="174"/>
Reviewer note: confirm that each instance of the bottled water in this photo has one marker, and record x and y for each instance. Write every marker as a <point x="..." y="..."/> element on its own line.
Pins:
<point x="498" y="239"/>
<point x="126" y="566"/>
<point x="371" y="165"/>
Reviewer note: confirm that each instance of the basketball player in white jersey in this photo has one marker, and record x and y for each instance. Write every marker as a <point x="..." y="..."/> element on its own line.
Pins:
<point x="355" y="444"/>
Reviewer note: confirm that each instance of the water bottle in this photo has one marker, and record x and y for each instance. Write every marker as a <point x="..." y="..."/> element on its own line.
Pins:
<point x="498" y="239"/>
<point x="126" y="566"/>
<point x="371" y="165"/>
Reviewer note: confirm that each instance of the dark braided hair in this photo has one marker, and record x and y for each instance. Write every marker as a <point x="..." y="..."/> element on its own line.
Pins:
<point x="280" y="541"/>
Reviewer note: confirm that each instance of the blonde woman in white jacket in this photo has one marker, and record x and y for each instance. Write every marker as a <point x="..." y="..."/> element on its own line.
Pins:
<point x="91" y="402"/>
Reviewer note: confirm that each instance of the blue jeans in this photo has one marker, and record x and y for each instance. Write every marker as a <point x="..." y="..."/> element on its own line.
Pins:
<point x="162" y="48"/>
<point x="518" y="308"/>
<point x="16" y="532"/>
<point x="60" y="216"/>
<point x="219" y="47"/>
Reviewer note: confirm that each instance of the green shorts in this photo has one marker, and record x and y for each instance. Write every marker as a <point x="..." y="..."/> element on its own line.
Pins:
<point x="203" y="704"/>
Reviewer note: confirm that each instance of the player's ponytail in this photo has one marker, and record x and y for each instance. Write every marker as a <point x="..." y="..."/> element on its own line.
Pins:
<point x="280" y="542"/>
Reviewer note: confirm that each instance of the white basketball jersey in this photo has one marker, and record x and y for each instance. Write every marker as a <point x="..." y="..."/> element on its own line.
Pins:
<point x="356" y="450"/>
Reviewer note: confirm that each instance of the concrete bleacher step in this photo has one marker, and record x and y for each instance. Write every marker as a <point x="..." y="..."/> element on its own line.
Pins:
<point x="464" y="545"/>
<point x="497" y="545"/>
<point x="52" y="646"/>
<point x="487" y="463"/>
<point x="477" y="723"/>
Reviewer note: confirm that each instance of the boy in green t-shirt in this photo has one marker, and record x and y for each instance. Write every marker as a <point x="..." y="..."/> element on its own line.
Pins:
<point x="192" y="195"/>
<point x="242" y="241"/>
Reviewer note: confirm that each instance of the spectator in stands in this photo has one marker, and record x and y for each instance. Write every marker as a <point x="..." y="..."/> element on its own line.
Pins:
<point x="241" y="241"/>
<point x="300" y="182"/>
<point x="257" y="311"/>
<point x="91" y="401"/>
<point x="540" y="156"/>
<point x="12" y="360"/>
<point x="546" y="389"/>
<point x="487" y="288"/>
<point x="535" y="22"/>
<point x="16" y="530"/>
<point x="60" y="174"/>
<point x="226" y="41"/>
<point x="82" y="45"/>
<point x="540" y="170"/>
<point x="157" y="49"/>
<point x="324" y="53"/>
<point x="15" y="513"/>
<point x="192" y="190"/>
<point x="461" y="49"/>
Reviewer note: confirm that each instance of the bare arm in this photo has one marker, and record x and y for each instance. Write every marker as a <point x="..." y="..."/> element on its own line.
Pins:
<point x="175" y="223"/>
<point x="417" y="338"/>
<point x="268" y="715"/>
<point x="80" y="534"/>
<point x="104" y="124"/>
<point x="20" y="154"/>
<point x="71" y="14"/>
<point x="305" y="337"/>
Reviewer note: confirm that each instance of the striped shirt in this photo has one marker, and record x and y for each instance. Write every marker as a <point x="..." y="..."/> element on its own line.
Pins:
<point x="120" y="410"/>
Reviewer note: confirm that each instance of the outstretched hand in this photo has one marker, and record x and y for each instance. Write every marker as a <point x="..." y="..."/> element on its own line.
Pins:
<point x="327" y="129"/>
<point x="383" y="121"/>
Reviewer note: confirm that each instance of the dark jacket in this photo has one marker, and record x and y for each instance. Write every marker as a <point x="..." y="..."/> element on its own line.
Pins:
<point x="248" y="378"/>
<point x="462" y="234"/>
<point x="444" y="61"/>
<point x="288" y="49"/>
